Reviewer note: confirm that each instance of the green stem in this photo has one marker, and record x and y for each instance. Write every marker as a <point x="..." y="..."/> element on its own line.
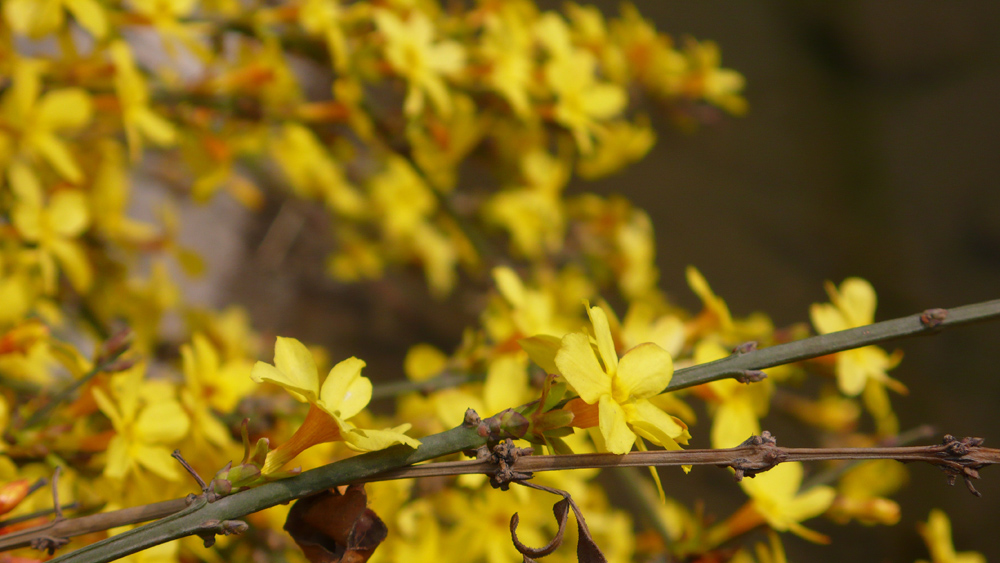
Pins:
<point x="735" y="365"/>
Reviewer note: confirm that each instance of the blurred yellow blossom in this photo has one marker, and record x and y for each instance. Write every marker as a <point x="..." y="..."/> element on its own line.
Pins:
<point x="147" y="418"/>
<point x="776" y="499"/>
<point x="139" y="120"/>
<point x="413" y="53"/>
<point x="937" y="535"/>
<point x="36" y="120"/>
<point x="54" y="227"/>
<point x="851" y="306"/>
<point x="37" y="18"/>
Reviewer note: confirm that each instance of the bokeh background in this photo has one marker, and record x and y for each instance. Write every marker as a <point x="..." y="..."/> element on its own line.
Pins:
<point x="871" y="148"/>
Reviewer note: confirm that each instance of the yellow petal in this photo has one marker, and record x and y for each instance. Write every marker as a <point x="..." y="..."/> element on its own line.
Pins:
<point x="827" y="318"/>
<point x="578" y="364"/>
<point x="157" y="459"/>
<point x="852" y="373"/>
<point x="67" y="108"/>
<point x="345" y="391"/>
<point x="24" y="184"/>
<point x="647" y="420"/>
<point x="734" y="422"/>
<point x="294" y="369"/>
<point x="56" y="153"/>
<point x="162" y="422"/>
<point x="423" y="362"/>
<point x="857" y="301"/>
<point x="506" y="383"/>
<point x="618" y="438"/>
<point x="117" y="461"/>
<point x="603" y="101"/>
<point x="153" y="127"/>
<point x="602" y="333"/>
<point x="68" y="213"/>
<point x="371" y="440"/>
<point x="109" y="409"/>
<point x="73" y="262"/>
<point x="31" y="18"/>
<point x="780" y="484"/>
<point x="509" y="285"/>
<point x="644" y="371"/>
<point x="811" y="503"/>
<point x="90" y="15"/>
<point x="542" y="350"/>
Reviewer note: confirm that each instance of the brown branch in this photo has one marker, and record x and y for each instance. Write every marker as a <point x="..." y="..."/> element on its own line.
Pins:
<point x="72" y="527"/>
<point x="958" y="458"/>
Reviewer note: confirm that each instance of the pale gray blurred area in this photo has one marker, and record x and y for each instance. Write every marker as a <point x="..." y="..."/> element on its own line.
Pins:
<point x="871" y="149"/>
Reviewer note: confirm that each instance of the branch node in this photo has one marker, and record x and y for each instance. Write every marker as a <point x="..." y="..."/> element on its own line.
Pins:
<point x="750" y="376"/>
<point x="211" y="528"/>
<point x="472" y="419"/>
<point x="48" y="544"/>
<point x="932" y="318"/>
<point x="745" y="348"/>
<point x="763" y="455"/>
<point x="504" y="455"/>
<point x="959" y="458"/>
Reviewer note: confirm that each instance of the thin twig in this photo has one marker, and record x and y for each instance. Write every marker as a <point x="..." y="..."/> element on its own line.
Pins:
<point x="937" y="455"/>
<point x="922" y="432"/>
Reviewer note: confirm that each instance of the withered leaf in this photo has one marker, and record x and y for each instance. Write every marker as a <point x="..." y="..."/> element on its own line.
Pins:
<point x="331" y="527"/>
<point x="586" y="549"/>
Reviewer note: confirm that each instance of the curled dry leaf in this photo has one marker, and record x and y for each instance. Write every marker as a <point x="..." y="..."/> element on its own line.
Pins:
<point x="586" y="548"/>
<point x="334" y="527"/>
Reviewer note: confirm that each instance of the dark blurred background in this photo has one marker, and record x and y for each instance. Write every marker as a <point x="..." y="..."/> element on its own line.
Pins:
<point x="871" y="149"/>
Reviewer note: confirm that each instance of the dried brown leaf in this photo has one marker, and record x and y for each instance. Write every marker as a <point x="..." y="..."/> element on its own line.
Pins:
<point x="331" y="527"/>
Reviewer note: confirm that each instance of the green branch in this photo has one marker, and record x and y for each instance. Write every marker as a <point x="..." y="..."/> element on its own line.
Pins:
<point x="928" y="322"/>
<point x="195" y="517"/>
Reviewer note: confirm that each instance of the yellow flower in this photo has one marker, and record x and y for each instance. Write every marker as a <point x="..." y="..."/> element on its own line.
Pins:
<point x="582" y="101"/>
<point x="621" y="388"/>
<point x="533" y="213"/>
<point x="862" y="492"/>
<point x="507" y="47"/>
<point x="312" y="172"/>
<point x="937" y="536"/>
<point x="35" y="119"/>
<point x="719" y="86"/>
<point x="412" y="52"/>
<point x="146" y="417"/>
<point x="133" y="95"/>
<point x="53" y="227"/>
<point x="37" y="18"/>
<point x="342" y="394"/>
<point x="776" y="498"/>
<point x="854" y="306"/>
